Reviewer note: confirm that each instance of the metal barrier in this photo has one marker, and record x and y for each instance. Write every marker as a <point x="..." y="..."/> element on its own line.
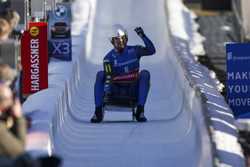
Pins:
<point x="10" y="52"/>
<point x="218" y="116"/>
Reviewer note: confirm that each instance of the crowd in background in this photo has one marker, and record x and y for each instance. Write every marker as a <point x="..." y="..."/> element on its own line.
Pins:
<point x="13" y="124"/>
<point x="9" y="20"/>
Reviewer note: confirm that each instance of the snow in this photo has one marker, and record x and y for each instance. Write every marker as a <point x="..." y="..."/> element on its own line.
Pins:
<point x="176" y="133"/>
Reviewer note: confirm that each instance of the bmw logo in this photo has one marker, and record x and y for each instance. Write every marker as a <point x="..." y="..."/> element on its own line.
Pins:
<point x="60" y="11"/>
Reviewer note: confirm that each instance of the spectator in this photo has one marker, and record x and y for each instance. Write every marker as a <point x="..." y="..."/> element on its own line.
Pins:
<point x="13" y="134"/>
<point x="7" y="74"/>
<point x="12" y="124"/>
<point x="5" y="29"/>
<point x="12" y="17"/>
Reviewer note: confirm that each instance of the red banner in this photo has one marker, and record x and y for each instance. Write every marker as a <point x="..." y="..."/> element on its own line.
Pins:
<point x="34" y="58"/>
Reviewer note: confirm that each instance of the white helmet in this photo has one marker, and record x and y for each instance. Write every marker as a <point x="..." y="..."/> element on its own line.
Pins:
<point x="119" y="37"/>
<point x="117" y="31"/>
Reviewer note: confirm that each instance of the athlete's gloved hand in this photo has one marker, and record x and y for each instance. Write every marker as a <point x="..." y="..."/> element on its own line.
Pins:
<point x="139" y="31"/>
<point x="107" y="90"/>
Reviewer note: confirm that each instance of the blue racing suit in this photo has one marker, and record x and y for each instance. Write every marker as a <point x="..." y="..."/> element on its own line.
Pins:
<point x="124" y="66"/>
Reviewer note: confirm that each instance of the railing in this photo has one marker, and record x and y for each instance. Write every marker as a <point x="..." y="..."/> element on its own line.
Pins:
<point x="215" y="110"/>
<point x="241" y="10"/>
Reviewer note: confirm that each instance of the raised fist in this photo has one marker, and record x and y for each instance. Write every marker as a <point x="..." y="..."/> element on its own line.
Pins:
<point x="139" y="31"/>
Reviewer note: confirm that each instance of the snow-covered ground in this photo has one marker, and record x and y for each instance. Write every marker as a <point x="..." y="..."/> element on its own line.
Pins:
<point x="177" y="133"/>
